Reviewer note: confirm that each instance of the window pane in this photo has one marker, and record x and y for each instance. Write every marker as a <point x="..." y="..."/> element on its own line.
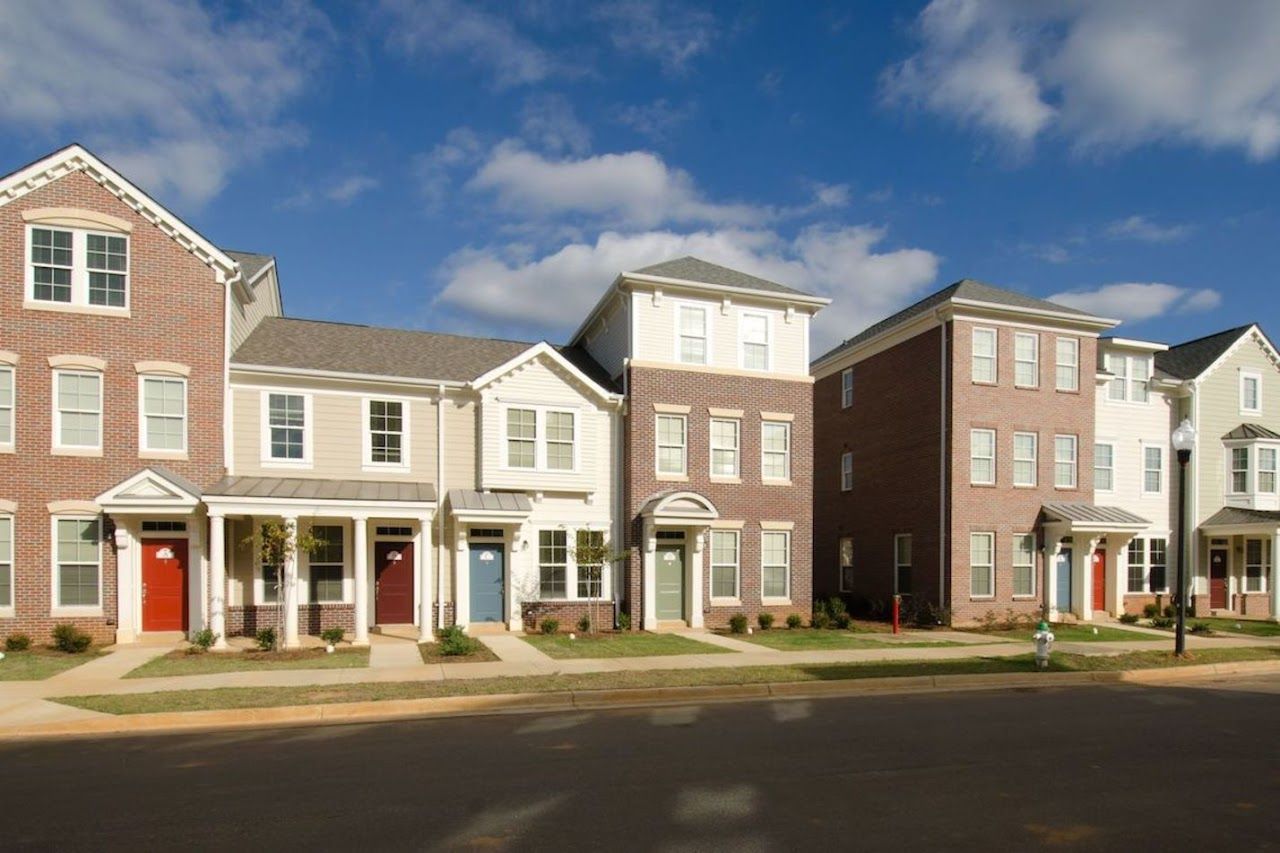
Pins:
<point x="775" y="440"/>
<point x="984" y="355"/>
<point x="775" y="560"/>
<point x="1159" y="564"/>
<point x="1068" y="362"/>
<point x="77" y="540"/>
<point x="270" y="585"/>
<point x="1026" y="356"/>
<point x="980" y="564"/>
<point x="724" y="563"/>
<point x="553" y="555"/>
<point x="1152" y="469"/>
<point x="1024" y="582"/>
<point x="1065" y="461"/>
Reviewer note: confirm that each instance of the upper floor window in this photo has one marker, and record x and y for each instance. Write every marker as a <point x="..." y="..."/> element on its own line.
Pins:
<point x="755" y="341"/>
<point x="386" y="432"/>
<point x="902" y="564"/>
<point x="1026" y="360"/>
<point x="77" y="409"/>
<point x="1064" y="461"/>
<point x="1024" y="458"/>
<point x="554" y="451"/>
<point x="846" y="471"/>
<point x="1104" y="467"/>
<point x="522" y="438"/>
<point x="1250" y="394"/>
<point x="1068" y="372"/>
<point x="1129" y="377"/>
<point x="6" y="406"/>
<point x="846" y="388"/>
<point x="724" y="447"/>
<point x="671" y="444"/>
<point x="982" y="457"/>
<point x="287" y="423"/>
<point x="692" y="331"/>
<point x="560" y="440"/>
<point x="1152" y="470"/>
<point x="984" y="355"/>
<point x="1239" y="470"/>
<point x="1267" y="470"/>
<point x="775" y="450"/>
<point x="73" y="267"/>
<point x="164" y="413"/>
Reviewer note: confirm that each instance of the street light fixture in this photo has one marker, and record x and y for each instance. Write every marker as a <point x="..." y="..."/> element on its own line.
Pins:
<point x="1184" y="439"/>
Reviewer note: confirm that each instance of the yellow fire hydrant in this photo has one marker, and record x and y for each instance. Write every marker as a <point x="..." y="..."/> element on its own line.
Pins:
<point x="1044" y="645"/>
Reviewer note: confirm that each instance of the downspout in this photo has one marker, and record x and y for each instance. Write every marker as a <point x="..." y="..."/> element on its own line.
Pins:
<point x="441" y="551"/>
<point x="942" y="467"/>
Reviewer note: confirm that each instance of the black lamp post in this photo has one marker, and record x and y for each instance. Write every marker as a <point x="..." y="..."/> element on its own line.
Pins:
<point x="1184" y="438"/>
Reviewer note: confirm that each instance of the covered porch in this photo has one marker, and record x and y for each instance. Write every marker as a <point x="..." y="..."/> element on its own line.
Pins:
<point x="1086" y="558"/>
<point x="676" y="526"/>
<point x="1239" y="548"/>
<point x="489" y="536"/>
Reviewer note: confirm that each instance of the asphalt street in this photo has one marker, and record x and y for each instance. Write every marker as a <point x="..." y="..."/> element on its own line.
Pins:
<point x="1102" y="767"/>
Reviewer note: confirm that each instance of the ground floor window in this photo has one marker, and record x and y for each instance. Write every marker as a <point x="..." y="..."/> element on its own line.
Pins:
<point x="590" y="559"/>
<point x="78" y="562"/>
<point x="326" y="563"/>
<point x="1024" y="564"/>
<point x="1137" y="566"/>
<point x="902" y="564"/>
<point x="724" y="564"/>
<point x="1255" y="564"/>
<point x="775" y="564"/>
<point x="846" y="564"/>
<point x="982" y="569"/>
<point x="1148" y="566"/>
<point x="6" y="561"/>
<point x="553" y="562"/>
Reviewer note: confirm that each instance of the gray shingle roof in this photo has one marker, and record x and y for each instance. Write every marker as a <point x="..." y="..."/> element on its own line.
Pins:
<point x="1248" y="432"/>
<point x="469" y="499"/>
<point x="965" y="289"/>
<point x="251" y="263"/>
<point x="694" y="269"/>
<point x="302" y="489"/>
<point x="1087" y="513"/>
<point x="1190" y="359"/>
<point x="1240" y="515"/>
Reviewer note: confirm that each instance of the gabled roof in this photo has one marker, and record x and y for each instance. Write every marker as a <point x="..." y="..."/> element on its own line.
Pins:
<point x="1240" y="515"/>
<point x="966" y="290"/>
<point x="553" y="354"/>
<point x="475" y="501"/>
<point x="1189" y="360"/>
<point x="1249" y="432"/>
<point x="699" y="271"/>
<point x="1087" y="516"/>
<point x="251" y="263"/>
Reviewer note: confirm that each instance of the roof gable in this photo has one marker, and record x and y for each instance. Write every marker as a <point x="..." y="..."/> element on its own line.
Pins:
<point x="1202" y="356"/>
<point x="560" y="364"/>
<point x="698" y="271"/>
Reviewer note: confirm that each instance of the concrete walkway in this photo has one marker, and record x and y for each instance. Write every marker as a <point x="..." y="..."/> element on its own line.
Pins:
<point x="393" y="653"/>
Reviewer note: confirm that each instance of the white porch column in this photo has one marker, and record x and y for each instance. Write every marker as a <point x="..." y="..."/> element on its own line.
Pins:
<point x="290" y="584"/>
<point x="218" y="580"/>
<point x="695" y="578"/>
<point x="649" y="583"/>
<point x="517" y="566"/>
<point x="127" y="563"/>
<point x="422" y="550"/>
<point x="1275" y="576"/>
<point x="1052" y="550"/>
<point x="461" y="579"/>
<point x="360" y="570"/>
<point x="1082" y="593"/>
<point x="1118" y="567"/>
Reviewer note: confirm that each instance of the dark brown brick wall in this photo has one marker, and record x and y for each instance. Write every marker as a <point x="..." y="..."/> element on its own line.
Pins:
<point x="749" y="501"/>
<point x="176" y="315"/>
<point x="248" y="620"/>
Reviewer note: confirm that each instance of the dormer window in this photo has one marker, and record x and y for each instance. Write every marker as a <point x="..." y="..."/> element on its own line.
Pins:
<point x="1252" y="463"/>
<point x="73" y="267"/>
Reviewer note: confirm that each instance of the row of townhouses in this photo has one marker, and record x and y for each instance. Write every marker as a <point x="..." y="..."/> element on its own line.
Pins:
<point x="979" y="451"/>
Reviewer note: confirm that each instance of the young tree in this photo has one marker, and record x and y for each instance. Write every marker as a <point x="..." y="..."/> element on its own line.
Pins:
<point x="274" y="543"/>
<point x="592" y="553"/>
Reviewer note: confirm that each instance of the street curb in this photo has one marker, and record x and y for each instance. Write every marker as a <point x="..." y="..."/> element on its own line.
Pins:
<point x="536" y="703"/>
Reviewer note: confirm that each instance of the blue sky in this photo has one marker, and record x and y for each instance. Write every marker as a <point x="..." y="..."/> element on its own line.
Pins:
<point x="487" y="168"/>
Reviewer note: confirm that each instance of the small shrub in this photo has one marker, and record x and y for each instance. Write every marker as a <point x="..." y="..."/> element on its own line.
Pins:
<point x="820" y="620"/>
<point x="1201" y="628"/>
<point x="70" y="639"/>
<point x="843" y="621"/>
<point x="266" y="639"/>
<point x="333" y="636"/>
<point x="550" y="626"/>
<point x="1162" y="622"/>
<point x="584" y="624"/>
<point x="1170" y="611"/>
<point x="876" y="608"/>
<point x="835" y="606"/>
<point x="453" y="641"/>
<point x="624" y="621"/>
<point x="738" y="623"/>
<point x="204" y="639"/>
<point x="765" y="620"/>
<point x="17" y="643"/>
<point x="1150" y="611"/>
<point x="1129" y="618"/>
<point x="794" y="621"/>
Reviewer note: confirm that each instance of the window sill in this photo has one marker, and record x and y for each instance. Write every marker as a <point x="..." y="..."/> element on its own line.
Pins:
<point x="375" y="468"/>
<point x="1075" y="391"/>
<point x="770" y="482"/>
<point x="76" y="451"/>
<point x="984" y="383"/>
<point x="672" y="478"/>
<point x="982" y="485"/>
<point x="278" y="463"/>
<point x="1066" y="488"/>
<point x="1025" y="486"/>
<point x="982" y="598"/>
<point x="726" y="602"/>
<point x="1031" y="597"/>
<point x="72" y="612"/>
<point x="1026" y="387"/>
<point x="70" y="308"/>
<point x="7" y="613"/>
<point x="764" y="600"/>
<point x="732" y="481"/>
<point x="7" y="448"/>
<point x="171" y="455"/>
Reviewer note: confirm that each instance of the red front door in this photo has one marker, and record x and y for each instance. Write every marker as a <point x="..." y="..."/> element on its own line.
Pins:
<point x="1100" y="579"/>
<point x="1218" y="579"/>
<point x="393" y="587"/>
<point x="164" y="584"/>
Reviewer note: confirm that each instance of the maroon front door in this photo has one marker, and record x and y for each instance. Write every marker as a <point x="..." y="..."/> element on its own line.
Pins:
<point x="1218" y="579"/>
<point x="393" y="585"/>
<point x="1100" y="579"/>
<point x="164" y="584"/>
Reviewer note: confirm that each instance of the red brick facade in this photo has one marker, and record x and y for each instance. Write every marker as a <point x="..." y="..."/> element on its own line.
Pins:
<point x="176" y="314"/>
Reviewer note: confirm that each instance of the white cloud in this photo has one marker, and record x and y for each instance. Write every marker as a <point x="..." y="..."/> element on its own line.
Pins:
<point x="340" y="191"/>
<point x="435" y="170"/>
<point x="1106" y="75"/>
<point x="1136" y="301"/>
<point x="1142" y="228"/>
<point x="655" y="120"/>
<point x="548" y="121"/>
<point x="552" y="291"/>
<point x="174" y="95"/>
<point x="671" y="34"/>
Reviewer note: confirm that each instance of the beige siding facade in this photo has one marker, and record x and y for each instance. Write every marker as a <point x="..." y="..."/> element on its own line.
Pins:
<point x="246" y="316"/>
<point x="608" y="338"/>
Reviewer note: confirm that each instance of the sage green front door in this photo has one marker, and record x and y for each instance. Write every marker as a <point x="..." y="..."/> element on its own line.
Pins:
<point x="670" y="578"/>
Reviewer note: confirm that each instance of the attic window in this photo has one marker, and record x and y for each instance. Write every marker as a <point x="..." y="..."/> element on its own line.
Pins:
<point x="76" y="267"/>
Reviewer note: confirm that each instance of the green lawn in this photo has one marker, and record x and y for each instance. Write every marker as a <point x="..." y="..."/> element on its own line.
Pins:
<point x="480" y="653"/>
<point x="1064" y="633"/>
<point x="807" y="639"/>
<point x="181" y="663"/>
<point x="227" y="698"/>
<point x="621" y="645"/>
<point x="39" y="664"/>
<point x="1252" y="627"/>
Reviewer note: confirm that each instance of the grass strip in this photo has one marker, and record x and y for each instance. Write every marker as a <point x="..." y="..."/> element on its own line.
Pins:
<point x="39" y="664"/>
<point x="621" y="645"/>
<point x="480" y="653"/>
<point x="807" y="639"/>
<point x="180" y="662"/>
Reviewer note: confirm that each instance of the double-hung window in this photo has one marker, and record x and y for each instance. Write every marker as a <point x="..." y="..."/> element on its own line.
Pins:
<point x="692" y="329"/>
<point x="1254" y="565"/>
<point x="1250" y="394"/>
<point x="78" y="409"/>
<point x="775" y="450"/>
<point x="1026" y="360"/>
<point x="1118" y="367"/>
<point x="287" y="427"/>
<point x="1130" y="377"/>
<point x="1267" y="470"/>
<point x="1064" y="461"/>
<point x="1024" y="458"/>
<point x="982" y="457"/>
<point x="1139" y="377"/>
<point x="589" y="557"/>
<point x="1068" y="366"/>
<point x="1024" y="565"/>
<point x="846" y="388"/>
<point x="553" y="562"/>
<point x="1104" y="467"/>
<point x="846" y="471"/>
<point x="6" y="406"/>
<point x="775" y="564"/>
<point x="541" y="439"/>
<point x="755" y="341"/>
<point x="1239" y="470"/>
<point x="78" y="563"/>
<point x="325" y="563"/>
<point x="1137" y="557"/>
<point x="6" y="561"/>
<point x="73" y="267"/>
<point x="386" y="432"/>
<point x="982" y="566"/>
<point x="1158" y="554"/>
<point x="164" y="413"/>
<point x="51" y="265"/>
<point x="522" y="438"/>
<point x="724" y="447"/>
<point x="724" y="563"/>
<point x="1152" y="470"/>
<point x="107" y="262"/>
<point x="902" y="564"/>
<point x="671" y="435"/>
<point x="846" y="563"/>
<point x="560" y="439"/>
<point x="984" y="356"/>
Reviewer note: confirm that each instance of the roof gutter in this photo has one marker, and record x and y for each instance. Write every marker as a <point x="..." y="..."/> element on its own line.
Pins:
<point x="277" y="370"/>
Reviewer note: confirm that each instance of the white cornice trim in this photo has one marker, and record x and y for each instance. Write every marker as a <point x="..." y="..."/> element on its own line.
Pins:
<point x="373" y="378"/>
<point x="1254" y="333"/>
<point x="545" y="350"/>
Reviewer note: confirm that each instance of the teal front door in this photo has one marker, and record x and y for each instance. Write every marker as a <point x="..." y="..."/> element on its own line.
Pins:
<point x="670" y="581"/>
<point x="486" y="583"/>
<point x="1064" y="581"/>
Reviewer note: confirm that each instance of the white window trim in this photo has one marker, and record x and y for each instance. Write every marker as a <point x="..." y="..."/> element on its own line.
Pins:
<point x="1164" y="468"/>
<point x="10" y="445"/>
<point x="995" y="356"/>
<point x="769" y="341"/>
<point x="1256" y="377"/>
<point x="1127" y="378"/>
<point x="1107" y="443"/>
<point x="846" y="471"/>
<point x="897" y="564"/>
<point x="1075" y="462"/>
<point x="973" y="433"/>
<point x="1013" y="576"/>
<point x="1264" y="545"/>
<point x="7" y="608"/>
<point x="736" y="476"/>
<point x="786" y="478"/>
<point x="1147" y="551"/>
<point x="60" y="449"/>
<point x="1274" y="470"/>
<point x="308" y="420"/>
<point x="145" y="452"/>
<point x="571" y="571"/>
<point x="1035" y="358"/>
<point x="846" y="388"/>
<point x="1250" y="471"/>
<point x="991" y="537"/>
<point x="1034" y="460"/>
<point x="707" y="310"/>
<point x="348" y="573"/>
<point x="366" y="434"/>
<point x="540" y="438"/>
<point x="57" y="609"/>
<point x="683" y="473"/>
<point x="1058" y="363"/>
<point x="736" y="598"/>
<point x="776" y="599"/>
<point x="79" y="273"/>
